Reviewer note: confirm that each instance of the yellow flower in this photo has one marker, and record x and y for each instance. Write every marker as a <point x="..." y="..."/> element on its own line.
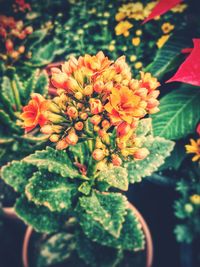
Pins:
<point x="194" y="148"/>
<point x="138" y="65"/>
<point x="162" y="40"/>
<point x="138" y="32"/>
<point x="148" y="8"/>
<point x="133" y="58"/>
<point x="179" y="8"/>
<point x="123" y="28"/>
<point x="137" y="11"/>
<point x="167" y="27"/>
<point x="136" y="41"/>
<point x="111" y="47"/>
<point x="120" y="16"/>
<point x="195" y="199"/>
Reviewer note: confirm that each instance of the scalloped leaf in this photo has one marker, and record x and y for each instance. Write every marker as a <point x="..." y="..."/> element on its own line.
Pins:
<point x="55" y="249"/>
<point x="42" y="84"/>
<point x="40" y="218"/>
<point x="6" y="120"/>
<point x="107" y="210"/>
<point x="116" y="177"/>
<point x="55" y="161"/>
<point x="17" y="174"/>
<point x="51" y="191"/>
<point x="159" y="149"/>
<point x="179" y="113"/>
<point x="20" y="89"/>
<point x="131" y="236"/>
<point x="6" y="93"/>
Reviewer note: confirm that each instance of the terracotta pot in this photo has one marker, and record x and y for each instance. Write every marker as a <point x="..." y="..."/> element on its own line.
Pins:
<point x="149" y="243"/>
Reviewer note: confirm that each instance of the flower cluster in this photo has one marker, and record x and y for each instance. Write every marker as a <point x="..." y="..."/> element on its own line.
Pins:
<point x="11" y="31"/>
<point x="21" y="5"/>
<point x="96" y="99"/>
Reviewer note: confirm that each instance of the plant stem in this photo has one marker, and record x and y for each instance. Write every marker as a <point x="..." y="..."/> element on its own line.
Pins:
<point x="16" y="96"/>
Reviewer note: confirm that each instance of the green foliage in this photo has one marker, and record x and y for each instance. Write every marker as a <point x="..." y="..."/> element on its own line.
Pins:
<point x="17" y="174"/>
<point x="179" y="113"/>
<point x="39" y="217"/>
<point x="116" y="177"/>
<point x="51" y="191"/>
<point x="54" y="161"/>
<point x="159" y="149"/>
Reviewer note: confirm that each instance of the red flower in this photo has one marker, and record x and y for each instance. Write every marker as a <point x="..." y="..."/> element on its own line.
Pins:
<point x="34" y="113"/>
<point x="189" y="71"/>
<point x="162" y="7"/>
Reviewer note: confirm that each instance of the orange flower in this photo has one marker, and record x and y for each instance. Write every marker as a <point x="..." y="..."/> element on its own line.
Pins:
<point x="34" y="113"/>
<point x="123" y="105"/>
<point x="194" y="148"/>
<point x="95" y="106"/>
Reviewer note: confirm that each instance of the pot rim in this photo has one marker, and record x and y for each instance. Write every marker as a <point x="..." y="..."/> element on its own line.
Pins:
<point x="9" y="212"/>
<point x="146" y="231"/>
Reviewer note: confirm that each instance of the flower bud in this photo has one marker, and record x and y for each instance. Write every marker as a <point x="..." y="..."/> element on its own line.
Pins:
<point x="28" y="30"/>
<point x="154" y="94"/>
<point x="141" y="153"/>
<point x="14" y="54"/>
<point x="88" y="90"/>
<point x="96" y="128"/>
<point x="83" y="116"/>
<point x="123" y="129"/>
<point x="72" y="112"/>
<point x="98" y="87"/>
<point x="95" y="119"/>
<point x="9" y="45"/>
<point x="79" y="125"/>
<point x="21" y="49"/>
<point x="154" y="110"/>
<point x="53" y="107"/>
<point x="59" y="80"/>
<point x="125" y="152"/>
<point x="78" y="95"/>
<point x="116" y="160"/>
<point x="95" y="106"/>
<point x="98" y="154"/>
<point x="188" y="208"/>
<point x="22" y="35"/>
<point x="47" y="129"/>
<point x="54" y="138"/>
<point x="152" y="103"/>
<point x="72" y="138"/>
<point x="62" y="144"/>
<point x="105" y="124"/>
<point x="195" y="199"/>
<point x="55" y="118"/>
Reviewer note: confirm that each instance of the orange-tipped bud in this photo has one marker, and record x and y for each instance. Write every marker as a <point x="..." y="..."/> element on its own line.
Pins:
<point x="59" y="80"/>
<point x="22" y="35"/>
<point x="96" y="128"/>
<point x="47" y="129"/>
<point x="88" y="90"/>
<point x="116" y="160"/>
<point x="96" y="119"/>
<point x="141" y="153"/>
<point x="154" y="94"/>
<point x="54" y="138"/>
<point x="152" y="103"/>
<point x="28" y="30"/>
<point x="98" y="87"/>
<point x="123" y="129"/>
<point x="72" y="112"/>
<point x="9" y="45"/>
<point x="72" y="139"/>
<point x="98" y="154"/>
<point x="55" y="70"/>
<point x="96" y="106"/>
<point x="105" y="124"/>
<point x="62" y="144"/>
<point x="21" y="49"/>
<point x="14" y="54"/>
<point x="79" y="126"/>
<point x="78" y="95"/>
<point x="83" y="116"/>
<point x="154" y="110"/>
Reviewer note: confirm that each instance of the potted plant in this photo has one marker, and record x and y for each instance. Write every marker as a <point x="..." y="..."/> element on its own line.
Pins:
<point x="99" y="143"/>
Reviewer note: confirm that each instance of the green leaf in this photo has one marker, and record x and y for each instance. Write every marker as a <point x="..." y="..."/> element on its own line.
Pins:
<point x="42" y="84"/>
<point x="6" y="120"/>
<point x="51" y="191"/>
<point x="7" y="94"/>
<point x="17" y="174"/>
<point x="144" y="127"/>
<point x="166" y="56"/>
<point x="131" y="236"/>
<point x="55" y="249"/>
<point x="91" y="252"/>
<point x="116" y="177"/>
<point x="159" y="149"/>
<point x="55" y="161"/>
<point x="30" y="85"/>
<point x="106" y="210"/>
<point x="179" y="113"/>
<point x="40" y="218"/>
<point x="85" y="188"/>
<point x="19" y="87"/>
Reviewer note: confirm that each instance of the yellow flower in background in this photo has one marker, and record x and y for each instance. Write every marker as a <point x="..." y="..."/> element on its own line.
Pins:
<point x="136" y="41"/>
<point x="137" y="11"/>
<point x="111" y="47"/>
<point x="138" y="65"/>
<point x="162" y="40"/>
<point x="138" y="32"/>
<point x="123" y="28"/>
<point x="195" y="199"/>
<point x="167" y="27"/>
<point x="120" y="16"/>
<point x="133" y="58"/>
<point x="149" y="7"/>
<point x="179" y="8"/>
<point x="194" y="148"/>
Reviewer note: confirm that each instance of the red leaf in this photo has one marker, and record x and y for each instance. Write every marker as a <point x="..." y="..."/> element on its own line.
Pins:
<point x="162" y="7"/>
<point x="186" y="50"/>
<point x="189" y="71"/>
<point x="198" y="129"/>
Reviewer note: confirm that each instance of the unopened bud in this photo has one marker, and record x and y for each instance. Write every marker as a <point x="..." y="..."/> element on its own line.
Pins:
<point x="141" y="153"/>
<point x="53" y="107"/>
<point x="78" y="95"/>
<point x="88" y="90"/>
<point x="47" y="129"/>
<point x="9" y="45"/>
<point x="95" y="119"/>
<point x="83" y="116"/>
<point x="55" y="118"/>
<point x="62" y="144"/>
<point x="54" y="138"/>
<point x="116" y="160"/>
<point x="72" y="139"/>
<point x="98" y="154"/>
<point x="72" y="112"/>
<point x="21" y="49"/>
<point x="105" y="124"/>
<point x="28" y="30"/>
<point x="79" y="125"/>
<point x="14" y="54"/>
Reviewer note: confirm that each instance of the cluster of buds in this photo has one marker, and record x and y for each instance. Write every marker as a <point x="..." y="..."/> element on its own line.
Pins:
<point x="97" y="99"/>
<point x="21" y="5"/>
<point x="11" y="31"/>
